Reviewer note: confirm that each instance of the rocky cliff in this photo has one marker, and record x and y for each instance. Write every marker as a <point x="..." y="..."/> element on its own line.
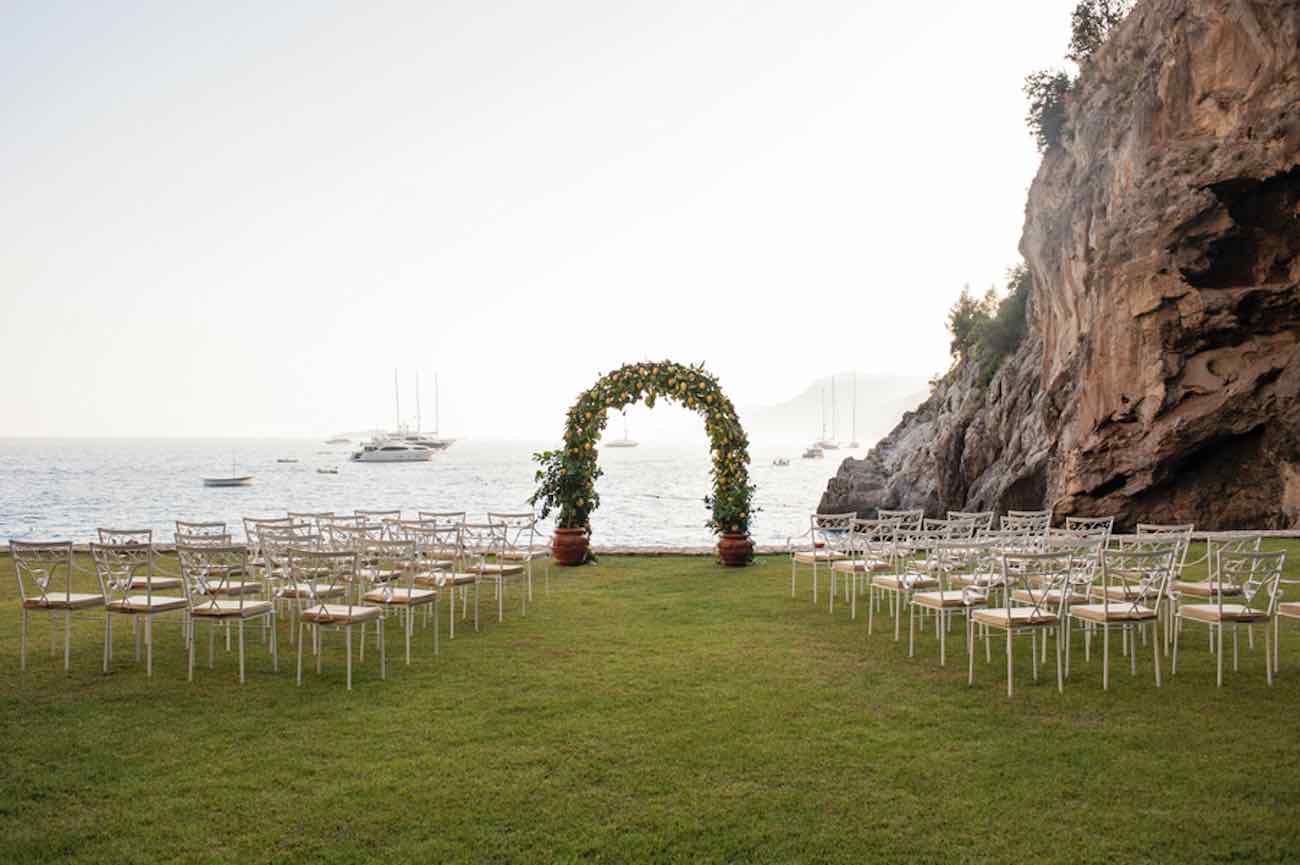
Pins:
<point x="1160" y="376"/>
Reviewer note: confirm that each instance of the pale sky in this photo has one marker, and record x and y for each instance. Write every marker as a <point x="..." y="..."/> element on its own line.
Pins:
<point x="239" y="218"/>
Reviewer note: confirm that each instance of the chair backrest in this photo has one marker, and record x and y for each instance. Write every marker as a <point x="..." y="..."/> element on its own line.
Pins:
<point x="958" y="528"/>
<point x="311" y="518"/>
<point x="872" y="539"/>
<point x="983" y="519"/>
<point x="211" y="573"/>
<point x="117" y="566"/>
<point x="276" y="541"/>
<point x="520" y="530"/>
<point x="1259" y="575"/>
<point x="433" y="543"/>
<point x="213" y="528"/>
<point x="443" y="518"/>
<point x="324" y="574"/>
<point x="38" y="565"/>
<point x="126" y="537"/>
<point x="908" y="519"/>
<point x="1100" y="526"/>
<point x="1183" y="530"/>
<point x="480" y="540"/>
<point x="1216" y="547"/>
<point x="394" y="557"/>
<point x="201" y="539"/>
<point x="251" y="525"/>
<point x="356" y="538"/>
<point x="830" y="530"/>
<point x="377" y="517"/>
<point x="1033" y="521"/>
<point x="1043" y="579"/>
<point x="1143" y="573"/>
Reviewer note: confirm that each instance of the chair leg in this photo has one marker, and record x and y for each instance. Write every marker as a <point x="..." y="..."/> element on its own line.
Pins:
<point x="1010" y="663"/>
<point x="300" y="627"/>
<point x="241" y="651"/>
<point x="871" y="606"/>
<point x="1060" y="680"/>
<point x="1132" y="655"/>
<point x="148" y="645"/>
<point x="911" y="630"/>
<point x="1268" y="655"/>
<point x="435" y="622"/>
<point x="349" y="642"/>
<point x="409" y="611"/>
<point x="1156" y="644"/>
<point x="1173" y="668"/>
<point x="275" y="645"/>
<point x="1033" y="652"/>
<point x="383" y="650"/>
<point x="189" y="654"/>
<point x="814" y="564"/>
<point x="67" y="641"/>
<point x="943" y="642"/>
<point x="22" y="643"/>
<point x="1219" y="653"/>
<point x="970" y="653"/>
<point x="1105" y="657"/>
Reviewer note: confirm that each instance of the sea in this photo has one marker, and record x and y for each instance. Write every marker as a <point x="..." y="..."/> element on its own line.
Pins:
<point x="652" y="495"/>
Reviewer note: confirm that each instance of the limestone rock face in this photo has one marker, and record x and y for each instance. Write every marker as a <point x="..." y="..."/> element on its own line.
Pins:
<point x="1160" y="377"/>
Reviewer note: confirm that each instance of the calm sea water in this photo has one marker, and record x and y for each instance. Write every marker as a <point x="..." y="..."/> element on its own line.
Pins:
<point x="66" y="488"/>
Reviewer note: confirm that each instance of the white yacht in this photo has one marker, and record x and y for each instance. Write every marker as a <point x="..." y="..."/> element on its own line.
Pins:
<point x="392" y="450"/>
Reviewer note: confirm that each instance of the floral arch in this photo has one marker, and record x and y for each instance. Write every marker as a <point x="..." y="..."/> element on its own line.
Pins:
<point x="567" y="476"/>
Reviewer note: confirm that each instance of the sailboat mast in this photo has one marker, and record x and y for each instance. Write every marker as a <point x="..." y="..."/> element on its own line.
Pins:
<point x="823" y="406"/>
<point x="397" y="402"/>
<point x="855" y="405"/>
<point x="435" y="404"/>
<point x="417" y="400"/>
<point x="835" y="432"/>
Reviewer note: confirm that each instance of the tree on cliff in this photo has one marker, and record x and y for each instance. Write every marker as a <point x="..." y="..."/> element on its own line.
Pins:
<point x="1090" y="24"/>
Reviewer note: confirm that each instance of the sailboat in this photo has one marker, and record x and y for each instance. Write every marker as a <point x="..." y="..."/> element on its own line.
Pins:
<point x="624" y="442"/>
<point x="397" y="447"/>
<point x="435" y="441"/>
<point x="828" y="444"/>
<point x="234" y="479"/>
<point x="854" y="445"/>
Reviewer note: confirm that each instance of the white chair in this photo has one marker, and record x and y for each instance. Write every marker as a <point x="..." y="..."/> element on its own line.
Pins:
<point x="1042" y="577"/>
<point x="1257" y="577"/>
<point x="41" y="566"/>
<point x="909" y="519"/>
<point x="487" y="541"/>
<point x="1090" y="526"/>
<point x="401" y="593"/>
<point x="524" y="543"/>
<point x="983" y="519"/>
<point x="870" y="547"/>
<point x="441" y="556"/>
<point x="118" y="567"/>
<point x="442" y="518"/>
<point x="377" y="517"/>
<point x="827" y="541"/>
<point x="1134" y="586"/>
<point x="324" y="573"/>
<point x="912" y="573"/>
<point x="943" y="559"/>
<point x="209" y="573"/>
<point x="212" y="528"/>
<point x="140" y="538"/>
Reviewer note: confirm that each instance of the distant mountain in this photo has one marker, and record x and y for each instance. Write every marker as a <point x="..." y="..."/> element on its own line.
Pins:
<point x="882" y="399"/>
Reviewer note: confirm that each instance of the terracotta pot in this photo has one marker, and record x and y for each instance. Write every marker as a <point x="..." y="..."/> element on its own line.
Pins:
<point x="570" y="547"/>
<point x="735" y="549"/>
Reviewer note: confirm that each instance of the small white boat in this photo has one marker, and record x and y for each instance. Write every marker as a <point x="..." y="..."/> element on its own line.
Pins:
<point x="286" y="460"/>
<point x="338" y="440"/>
<point x="234" y="479"/>
<point x="813" y="453"/>
<point x="624" y="442"/>
<point x="331" y="470"/>
<point x="780" y="461"/>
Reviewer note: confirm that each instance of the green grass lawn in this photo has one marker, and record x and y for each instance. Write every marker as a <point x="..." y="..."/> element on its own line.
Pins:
<point x="661" y="710"/>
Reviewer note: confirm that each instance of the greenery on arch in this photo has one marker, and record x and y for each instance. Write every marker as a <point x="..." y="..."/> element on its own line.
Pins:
<point x="566" y="479"/>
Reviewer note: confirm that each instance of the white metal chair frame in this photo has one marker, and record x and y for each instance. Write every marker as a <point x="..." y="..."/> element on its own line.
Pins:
<point x="441" y="556"/>
<point x="911" y="572"/>
<point x="983" y="519"/>
<point x="210" y="574"/>
<point x="401" y="594"/>
<point x="943" y="559"/>
<point x="484" y="541"/>
<point x="870" y="548"/>
<point x="37" y="565"/>
<point x="1258" y="576"/>
<point x="325" y="572"/>
<point x="524" y="543"/>
<point x="1044" y="579"/>
<point x="117" y="567"/>
<point x="1134" y="588"/>
<point x="827" y="542"/>
<point x="214" y="528"/>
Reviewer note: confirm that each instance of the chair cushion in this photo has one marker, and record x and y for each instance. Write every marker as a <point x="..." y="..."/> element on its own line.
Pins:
<point x="303" y="590"/>
<point x="525" y="555"/>
<point x="233" y="587"/>
<point x="1020" y="617"/>
<point x="1050" y="596"/>
<point x="339" y="614"/>
<point x="446" y="578"/>
<point x="1289" y="609"/>
<point x="1231" y="613"/>
<point x="1206" y="589"/>
<point x="821" y="555"/>
<point x="63" y="601"/>
<point x="981" y="580"/>
<point x="496" y="568"/>
<point x="904" y="582"/>
<point x="401" y="596"/>
<point x="1123" y="612"/>
<point x="219" y="609"/>
<point x="145" y="604"/>
<point x="143" y="582"/>
<point x="859" y="565"/>
<point x="944" y="600"/>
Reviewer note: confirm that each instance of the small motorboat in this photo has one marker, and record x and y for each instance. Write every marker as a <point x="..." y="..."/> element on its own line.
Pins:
<point x="331" y="470"/>
<point x="813" y="453"/>
<point x="338" y="440"/>
<point x="780" y="461"/>
<point x="286" y="460"/>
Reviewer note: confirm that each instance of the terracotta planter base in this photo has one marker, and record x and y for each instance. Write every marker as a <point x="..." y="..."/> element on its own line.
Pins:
<point x="571" y="547"/>
<point x="735" y="549"/>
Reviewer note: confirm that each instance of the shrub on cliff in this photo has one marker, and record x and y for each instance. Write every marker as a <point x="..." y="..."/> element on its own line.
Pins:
<point x="986" y="330"/>
<point x="1046" y="91"/>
